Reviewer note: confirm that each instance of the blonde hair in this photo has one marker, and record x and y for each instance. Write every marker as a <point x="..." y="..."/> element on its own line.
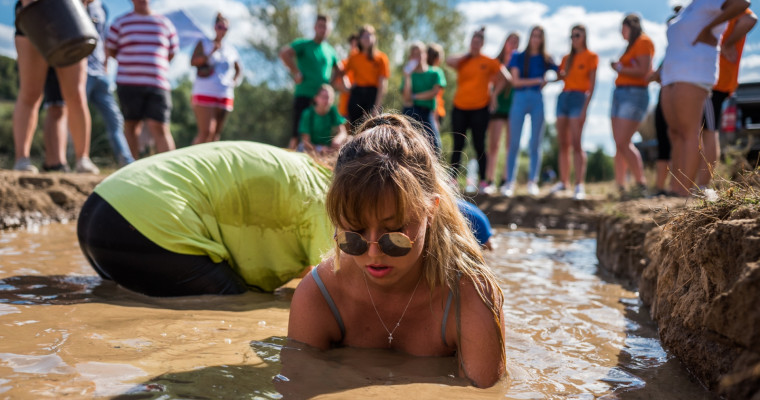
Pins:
<point x="391" y="155"/>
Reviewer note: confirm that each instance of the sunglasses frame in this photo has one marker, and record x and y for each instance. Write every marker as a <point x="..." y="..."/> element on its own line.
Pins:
<point x="367" y="243"/>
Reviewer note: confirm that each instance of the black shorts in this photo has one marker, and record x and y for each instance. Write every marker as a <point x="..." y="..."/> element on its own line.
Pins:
<point x="119" y="252"/>
<point x="300" y="103"/>
<point x="53" y="95"/>
<point x="360" y="103"/>
<point x="499" y="115"/>
<point x="141" y="102"/>
<point x="17" y="9"/>
<point x="713" y="110"/>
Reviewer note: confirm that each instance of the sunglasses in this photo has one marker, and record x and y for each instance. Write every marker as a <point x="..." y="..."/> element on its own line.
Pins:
<point x="394" y="244"/>
<point x="221" y="27"/>
<point x="575" y="36"/>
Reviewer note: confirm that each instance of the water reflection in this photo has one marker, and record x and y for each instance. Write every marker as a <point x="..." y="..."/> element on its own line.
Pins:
<point x="571" y="333"/>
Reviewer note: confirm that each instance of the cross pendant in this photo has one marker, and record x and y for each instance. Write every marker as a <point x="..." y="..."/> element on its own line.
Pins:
<point x="390" y="339"/>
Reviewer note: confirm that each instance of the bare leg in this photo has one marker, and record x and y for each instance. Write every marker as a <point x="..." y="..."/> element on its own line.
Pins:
<point x="55" y="135"/>
<point x="623" y="130"/>
<point x="579" y="156"/>
<point x="161" y="136"/>
<point x="31" y="72"/>
<point x="662" y="173"/>
<point x="132" y="130"/>
<point x="205" y="117"/>
<point x="220" y="117"/>
<point x="683" y="106"/>
<point x="563" y="138"/>
<point x="73" y="81"/>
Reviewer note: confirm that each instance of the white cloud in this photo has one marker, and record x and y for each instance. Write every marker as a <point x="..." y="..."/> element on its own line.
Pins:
<point x="604" y="38"/>
<point x="7" y="46"/>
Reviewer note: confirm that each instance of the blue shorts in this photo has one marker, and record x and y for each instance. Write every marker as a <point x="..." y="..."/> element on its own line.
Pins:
<point x="570" y="103"/>
<point x="630" y="102"/>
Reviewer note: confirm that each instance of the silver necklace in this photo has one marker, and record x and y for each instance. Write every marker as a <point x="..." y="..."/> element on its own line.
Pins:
<point x="398" y="323"/>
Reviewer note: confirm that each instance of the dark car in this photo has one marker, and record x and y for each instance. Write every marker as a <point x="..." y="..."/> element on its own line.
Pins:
<point x="740" y="123"/>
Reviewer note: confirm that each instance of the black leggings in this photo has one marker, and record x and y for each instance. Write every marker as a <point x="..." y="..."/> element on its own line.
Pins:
<point x="360" y="103"/>
<point x="119" y="252"/>
<point x="477" y="122"/>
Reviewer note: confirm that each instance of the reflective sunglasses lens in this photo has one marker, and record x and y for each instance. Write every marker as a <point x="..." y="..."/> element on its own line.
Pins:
<point x="352" y="243"/>
<point x="395" y="244"/>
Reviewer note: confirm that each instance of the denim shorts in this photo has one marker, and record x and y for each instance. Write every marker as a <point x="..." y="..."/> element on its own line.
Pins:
<point x="630" y="102"/>
<point x="570" y="103"/>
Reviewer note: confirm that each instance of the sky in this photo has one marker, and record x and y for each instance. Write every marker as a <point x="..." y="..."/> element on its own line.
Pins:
<point x="601" y="17"/>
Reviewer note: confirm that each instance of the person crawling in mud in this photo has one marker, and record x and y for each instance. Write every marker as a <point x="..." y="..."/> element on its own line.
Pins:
<point x="406" y="274"/>
<point x="217" y="218"/>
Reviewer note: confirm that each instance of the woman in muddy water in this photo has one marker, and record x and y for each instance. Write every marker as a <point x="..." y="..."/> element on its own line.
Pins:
<point x="216" y="218"/>
<point x="406" y="274"/>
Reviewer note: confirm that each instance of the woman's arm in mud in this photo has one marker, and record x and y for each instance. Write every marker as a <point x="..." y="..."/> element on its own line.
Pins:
<point x="311" y="321"/>
<point x="481" y="347"/>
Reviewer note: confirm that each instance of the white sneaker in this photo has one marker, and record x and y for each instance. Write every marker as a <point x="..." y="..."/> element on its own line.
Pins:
<point x="507" y="189"/>
<point x="25" y="164"/>
<point x="580" y="192"/>
<point x="85" y="166"/>
<point x="558" y="187"/>
<point x="490" y="189"/>
<point x="532" y="189"/>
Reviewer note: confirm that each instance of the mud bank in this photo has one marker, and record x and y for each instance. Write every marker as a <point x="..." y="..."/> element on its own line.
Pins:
<point x="698" y="269"/>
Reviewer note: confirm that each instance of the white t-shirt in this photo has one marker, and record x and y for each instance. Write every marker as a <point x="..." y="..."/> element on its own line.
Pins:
<point x="221" y="82"/>
<point x="685" y="62"/>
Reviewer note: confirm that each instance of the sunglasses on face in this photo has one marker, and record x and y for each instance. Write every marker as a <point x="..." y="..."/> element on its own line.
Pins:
<point x="221" y="27"/>
<point x="575" y="36"/>
<point x="394" y="244"/>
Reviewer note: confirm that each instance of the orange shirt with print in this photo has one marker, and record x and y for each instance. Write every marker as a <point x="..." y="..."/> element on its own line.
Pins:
<point x="578" y="77"/>
<point x="728" y="72"/>
<point x="643" y="46"/>
<point x="474" y="74"/>
<point x="367" y="72"/>
<point x="344" y="96"/>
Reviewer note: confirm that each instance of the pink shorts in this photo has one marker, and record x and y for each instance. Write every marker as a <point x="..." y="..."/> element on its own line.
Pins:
<point x="211" y="101"/>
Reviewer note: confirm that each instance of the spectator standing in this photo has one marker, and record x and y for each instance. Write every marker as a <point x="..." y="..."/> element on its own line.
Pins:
<point x="144" y="43"/>
<point x="353" y="48"/>
<point x="630" y="100"/>
<point x="434" y="57"/>
<point x="689" y="71"/>
<point x="312" y="63"/>
<point x="499" y="120"/>
<point x="420" y="87"/>
<point x="578" y="70"/>
<point x="370" y="69"/>
<point x="528" y="70"/>
<point x="32" y="69"/>
<point x="214" y="89"/>
<point x="98" y="88"/>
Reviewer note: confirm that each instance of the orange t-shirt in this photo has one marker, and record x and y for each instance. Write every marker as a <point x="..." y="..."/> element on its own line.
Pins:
<point x="728" y="72"/>
<point x="473" y="77"/>
<point x="578" y="77"/>
<point x="367" y="72"/>
<point x="343" y="100"/>
<point x="643" y="46"/>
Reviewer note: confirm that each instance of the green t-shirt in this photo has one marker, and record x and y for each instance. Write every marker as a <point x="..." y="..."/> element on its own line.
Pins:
<point x="258" y="207"/>
<point x="320" y="127"/>
<point x="440" y="72"/>
<point x="422" y="82"/>
<point x="316" y="62"/>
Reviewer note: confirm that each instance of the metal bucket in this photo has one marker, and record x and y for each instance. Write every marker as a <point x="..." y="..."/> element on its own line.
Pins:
<point x="60" y="29"/>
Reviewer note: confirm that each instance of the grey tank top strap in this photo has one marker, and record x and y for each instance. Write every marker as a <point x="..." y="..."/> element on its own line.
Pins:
<point x="446" y="316"/>
<point x="331" y="303"/>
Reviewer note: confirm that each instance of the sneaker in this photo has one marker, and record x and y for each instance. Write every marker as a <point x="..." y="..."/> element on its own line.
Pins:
<point x="507" y="189"/>
<point x="532" y="189"/>
<point x="558" y="187"/>
<point x="490" y="189"/>
<point x="55" y="168"/>
<point x="85" y="166"/>
<point x="25" y="164"/>
<point x="637" y="192"/>
<point x="482" y="186"/>
<point x="580" y="192"/>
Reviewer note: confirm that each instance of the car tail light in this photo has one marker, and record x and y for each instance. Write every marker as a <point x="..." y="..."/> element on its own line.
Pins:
<point x="728" y="120"/>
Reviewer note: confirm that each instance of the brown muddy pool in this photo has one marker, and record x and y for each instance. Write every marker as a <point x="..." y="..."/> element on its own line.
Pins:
<point x="571" y="334"/>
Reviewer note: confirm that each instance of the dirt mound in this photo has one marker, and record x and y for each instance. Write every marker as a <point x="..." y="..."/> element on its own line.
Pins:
<point x="28" y="199"/>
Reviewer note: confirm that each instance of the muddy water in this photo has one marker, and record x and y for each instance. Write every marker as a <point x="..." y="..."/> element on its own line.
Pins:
<point x="63" y="332"/>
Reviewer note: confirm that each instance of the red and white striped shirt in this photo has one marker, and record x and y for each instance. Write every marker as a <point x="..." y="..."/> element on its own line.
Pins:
<point x="144" y="44"/>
